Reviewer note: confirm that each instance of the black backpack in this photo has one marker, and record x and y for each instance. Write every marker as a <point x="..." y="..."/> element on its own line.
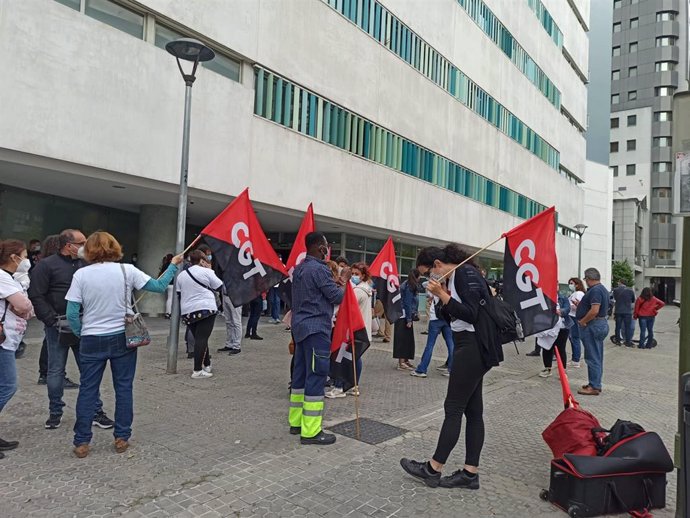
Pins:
<point x="606" y="439"/>
<point x="508" y="324"/>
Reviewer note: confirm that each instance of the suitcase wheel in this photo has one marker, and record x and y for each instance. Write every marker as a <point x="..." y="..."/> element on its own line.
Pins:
<point x="573" y="511"/>
<point x="544" y="495"/>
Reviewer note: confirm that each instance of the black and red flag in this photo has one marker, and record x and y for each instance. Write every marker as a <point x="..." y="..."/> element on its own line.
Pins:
<point x="249" y="264"/>
<point x="530" y="272"/>
<point x="297" y="254"/>
<point x="349" y="333"/>
<point x="384" y="270"/>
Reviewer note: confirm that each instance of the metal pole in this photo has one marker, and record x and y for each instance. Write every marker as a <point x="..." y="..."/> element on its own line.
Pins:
<point x="683" y="367"/>
<point x="174" y="336"/>
<point x="579" y="259"/>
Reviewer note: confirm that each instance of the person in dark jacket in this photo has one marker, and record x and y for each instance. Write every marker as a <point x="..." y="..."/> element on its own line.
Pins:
<point x="51" y="246"/>
<point x="477" y="350"/>
<point x="403" y="334"/>
<point x="50" y="281"/>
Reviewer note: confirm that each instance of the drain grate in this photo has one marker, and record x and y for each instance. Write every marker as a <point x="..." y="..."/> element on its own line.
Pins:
<point x="371" y="431"/>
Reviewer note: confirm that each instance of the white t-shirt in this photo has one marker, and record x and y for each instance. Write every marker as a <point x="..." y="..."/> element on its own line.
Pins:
<point x="100" y="289"/>
<point x="575" y="299"/>
<point x="194" y="297"/>
<point x="458" y="325"/>
<point x="14" y="326"/>
<point x="432" y="307"/>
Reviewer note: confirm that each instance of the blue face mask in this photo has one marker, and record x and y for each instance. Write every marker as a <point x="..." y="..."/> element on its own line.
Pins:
<point x="356" y="279"/>
<point x="209" y="258"/>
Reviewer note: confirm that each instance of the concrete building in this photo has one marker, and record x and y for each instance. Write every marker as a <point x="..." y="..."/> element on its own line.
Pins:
<point x="431" y="122"/>
<point x="649" y="64"/>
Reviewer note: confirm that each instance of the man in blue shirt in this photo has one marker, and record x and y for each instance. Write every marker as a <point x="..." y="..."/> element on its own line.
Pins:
<point x="314" y="295"/>
<point x="594" y="328"/>
<point x="625" y="300"/>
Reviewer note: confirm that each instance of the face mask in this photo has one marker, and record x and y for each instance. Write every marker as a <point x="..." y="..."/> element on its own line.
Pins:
<point x="209" y="258"/>
<point x="356" y="279"/>
<point x="324" y="252"/>
<point x="435" y="276"/>
<point x="36" y="248"/>
<point x="571" y="287"/>
<point x="23" y="266"/>
<point x="80" y="252"/>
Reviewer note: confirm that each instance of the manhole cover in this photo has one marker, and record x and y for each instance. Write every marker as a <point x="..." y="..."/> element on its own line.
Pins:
<point x="371" y="432"/>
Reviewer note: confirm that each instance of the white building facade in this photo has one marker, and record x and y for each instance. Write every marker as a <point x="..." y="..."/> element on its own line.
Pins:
<point x="431" y="121"/>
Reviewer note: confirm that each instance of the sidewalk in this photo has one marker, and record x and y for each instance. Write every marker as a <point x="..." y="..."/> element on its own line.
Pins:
<point x="221" y="447"/>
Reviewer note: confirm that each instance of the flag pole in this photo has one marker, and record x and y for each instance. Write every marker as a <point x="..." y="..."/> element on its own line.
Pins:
<point x="354" y="369"/>
<point x="470" y="257"/>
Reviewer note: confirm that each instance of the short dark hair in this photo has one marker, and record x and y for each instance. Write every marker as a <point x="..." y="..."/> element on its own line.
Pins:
<point x="342" y="259"/>
<point x="592" y="274"/>
<point x="450" y="254"/>
<point x="313" y="239"/>
<point x="66" y="237"/>
<point x="197" y="256"/>
<point x="204" y="248"/>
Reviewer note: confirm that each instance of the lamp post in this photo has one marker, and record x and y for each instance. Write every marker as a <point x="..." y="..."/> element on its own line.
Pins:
<point x="186" y="49"/>
<point x="580" y="229"/>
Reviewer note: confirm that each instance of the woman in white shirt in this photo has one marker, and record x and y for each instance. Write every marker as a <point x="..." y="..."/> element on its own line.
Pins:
<point x="577" y="291"/>
<point x="103" y="290"/>
<point x="197" y="286"/>
<point x="15" y="309"/>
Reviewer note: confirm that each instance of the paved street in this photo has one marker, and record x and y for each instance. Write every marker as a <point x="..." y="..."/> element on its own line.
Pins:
<point x="221" y="447"/>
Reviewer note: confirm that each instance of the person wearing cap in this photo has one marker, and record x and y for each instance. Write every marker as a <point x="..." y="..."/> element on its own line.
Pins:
<point x="594" y="328"/>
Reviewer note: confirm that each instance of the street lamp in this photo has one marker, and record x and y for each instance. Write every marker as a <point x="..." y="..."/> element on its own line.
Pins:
<point x="580" y="229"/>
<point x="185" y="49"/>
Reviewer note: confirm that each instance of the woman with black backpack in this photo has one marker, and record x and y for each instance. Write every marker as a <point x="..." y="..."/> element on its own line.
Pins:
<point x="477" y="350"/>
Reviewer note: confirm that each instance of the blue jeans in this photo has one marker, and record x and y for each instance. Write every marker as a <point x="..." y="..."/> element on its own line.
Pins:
<point x="625" y="327"/>
<point x="274" y="302"/>
<point x="593" y="336"/>
<point x="575" y="340"/>
<point x="8" y="376"/>
<point x="57" y="360"/>
<point x="437" y="327"/>
<point x="646" y="326"/>
<point x="254" y="315"/>
<point x="95" y="353"/>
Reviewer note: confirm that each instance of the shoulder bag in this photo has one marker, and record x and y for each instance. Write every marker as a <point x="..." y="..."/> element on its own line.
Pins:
<point x="136" y="332"/>
<point x="195" y="316"/>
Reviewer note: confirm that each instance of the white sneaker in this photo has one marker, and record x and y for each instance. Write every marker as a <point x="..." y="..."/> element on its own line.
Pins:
<point x="201" y="374"/>
<point x="418" y="374"/>
<point x="353" y="392"/>
<point x="575" y="365"/>
<point x="546" y="373"/>
<point x="335" y="393"/>
<point x="207" y="369"/>
<point x="446" y="373"/>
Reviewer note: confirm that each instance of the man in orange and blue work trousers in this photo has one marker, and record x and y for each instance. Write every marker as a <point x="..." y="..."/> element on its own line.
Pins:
<point x="314" y="295"/>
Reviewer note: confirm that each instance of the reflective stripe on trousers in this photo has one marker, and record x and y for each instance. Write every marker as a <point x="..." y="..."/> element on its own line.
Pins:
<point x="312" y="415"/>
<point x="296" y="405"/>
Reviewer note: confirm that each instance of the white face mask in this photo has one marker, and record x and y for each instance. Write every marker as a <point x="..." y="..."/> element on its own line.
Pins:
<point x="23" y="266"/>
<point x="80" y="252"/>
<point x="571" y="287"/>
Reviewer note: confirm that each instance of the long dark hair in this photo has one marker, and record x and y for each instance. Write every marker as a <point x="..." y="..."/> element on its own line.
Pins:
<point x="413" y="280"/>
<point x="452" y="253"/>
<point x="50" y="246"/>
<point x="646" y="294"/>
<point x="167" y="259"/>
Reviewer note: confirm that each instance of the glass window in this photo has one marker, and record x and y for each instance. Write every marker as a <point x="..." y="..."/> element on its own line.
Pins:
<point x="614" y="170"/>
<point x="663" y="116"/>
<point x="630" y="170"/>
<point x="665" y="16"/>
<point x="664" y="66"/>
<point x="660" y="91"/>
<point x="632" y="72"/>
<point x="613" y="147"/>
<point x="662" y="142"/>
<point x="617" y="27"/>
<point x="615" y="75"/>
<point x="661" y="167"/>
<point x="634" y="23"/>
<point x="116" y="16"/>
<point x="374" y="245"/>
<point x="616" y="51"/>
<point x="615" y="122"/>
<point x="615" y="99"/>
<point x="665" y="41"/>
<point x="663" y="192"/>
<point x="354" y="242"/>
<point x="661" y="218"/>
<point x="74" y="4"/>
<point x="617" y="4"/>
<point x="631" y="145"/>
<point x="632" y="47"/>
<point x="165" y="35"/>
<point x="224" y="66"/>
<point x="632" y="95"/>
<point x="632" y="120"/>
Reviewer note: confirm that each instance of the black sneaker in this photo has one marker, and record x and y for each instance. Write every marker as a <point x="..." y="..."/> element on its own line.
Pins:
<point x="234" y="351"/>
<point x="53" y="421"/>
<point x="21" y="349"/>
<point x="247" y="335"/>
<point x="69" y="384"/>
<point x="421" y="471"/>
<point x="460" y="479"/>
<point x="42" y="380"/>
<point x="8" y="445"/>
<point x="102" y="421"/>
<point x="190" y="355"/>
<point x="629" y="344"/>
<point x="320" y="438"/>
<point x="295" y="430"/>
<point x="255" y="337"/>
<point x="224" y="349"/>
<point x="533" y="353"/>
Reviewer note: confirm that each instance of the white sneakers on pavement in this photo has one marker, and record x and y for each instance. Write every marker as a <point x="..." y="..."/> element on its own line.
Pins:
<point x="201" y="374"/>
<point x="546" y="373"/>
<point x="334" y="393"/>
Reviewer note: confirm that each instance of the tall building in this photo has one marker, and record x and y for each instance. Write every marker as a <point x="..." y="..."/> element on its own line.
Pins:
<point x="649" y="64"/>
<point x="451" y="120"/>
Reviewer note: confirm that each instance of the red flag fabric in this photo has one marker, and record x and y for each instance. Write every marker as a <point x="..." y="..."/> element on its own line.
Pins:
<point x="349" y="332"/>
<point x="384" y="270"/>
<point x="297" y="254"/>
<point x="530" y="272"/>
<point x="248" y="263"/>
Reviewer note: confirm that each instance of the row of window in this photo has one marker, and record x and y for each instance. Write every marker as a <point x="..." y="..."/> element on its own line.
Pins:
<point x="494" y="29"/>
<point x="629" y="170"/>
<point x="631" y="121"/>
<point x="631" y="145"/>
<point x="616" y="74"/>
<point x="292" y="106"/>
<point x="661" y="41"/>
<point x="133" y="23"/>
<point x="659" y="91"/>
<point x="380" y="24"/>
<point x="634" y="24"/>
<point x="546" y="21"/>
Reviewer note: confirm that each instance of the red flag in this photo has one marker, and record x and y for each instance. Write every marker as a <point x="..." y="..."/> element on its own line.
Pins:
<point x="249" y="264"/>
<point x="530" y="271"/>
<point x="349" y="332"/>
<point x="384" y="270"/>
<point x="297" y="254"/>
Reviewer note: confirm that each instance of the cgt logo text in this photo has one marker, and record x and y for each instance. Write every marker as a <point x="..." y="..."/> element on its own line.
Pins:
<point x="527" y="275"/>
<point x="392" y="281"/>
<point x="239" y="235"/>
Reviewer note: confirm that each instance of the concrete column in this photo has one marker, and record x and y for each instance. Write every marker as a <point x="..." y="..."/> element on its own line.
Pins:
<point x="157" y="232"/>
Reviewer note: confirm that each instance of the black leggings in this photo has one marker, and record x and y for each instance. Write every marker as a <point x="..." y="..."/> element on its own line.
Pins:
<point x="464" y="397"/>
<point x="561" y="342"/>
<point x="202" y="331"/>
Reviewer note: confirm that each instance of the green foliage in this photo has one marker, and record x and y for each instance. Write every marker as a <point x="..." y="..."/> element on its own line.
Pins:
<point x="622" y="271"/>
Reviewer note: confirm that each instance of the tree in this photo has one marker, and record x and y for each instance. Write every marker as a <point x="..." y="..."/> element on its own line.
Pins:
<point x="621" y="271"/>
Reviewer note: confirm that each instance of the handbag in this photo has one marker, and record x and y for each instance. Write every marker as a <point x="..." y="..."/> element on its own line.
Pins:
<point x="136" y="332"/>
<point x="3" y="337"/>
